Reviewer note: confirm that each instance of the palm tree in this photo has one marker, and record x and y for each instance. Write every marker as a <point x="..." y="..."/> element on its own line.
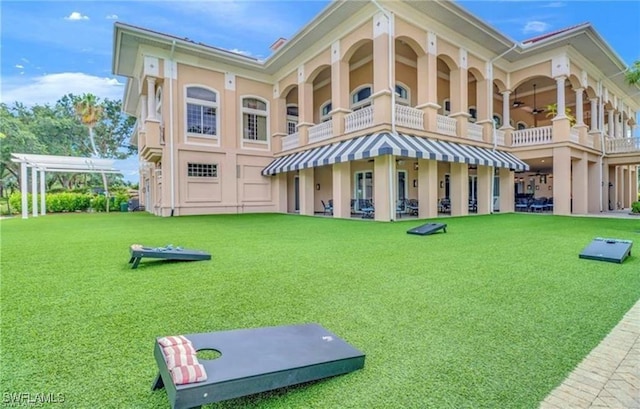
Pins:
<point x="90" y="112"/>
<point x="633" y="74"/>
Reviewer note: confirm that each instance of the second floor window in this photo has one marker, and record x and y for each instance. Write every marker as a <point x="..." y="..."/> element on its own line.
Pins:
<point x="325" y="111"/>
<point x="473" y="111"/>
<point x="497" y="119"/>
<point x="254" y="119"/>
<point x="402" y="95"/>
<point x="292" y="119"/>
<point x="202" y="111"/>
<point x="361" y="97"/>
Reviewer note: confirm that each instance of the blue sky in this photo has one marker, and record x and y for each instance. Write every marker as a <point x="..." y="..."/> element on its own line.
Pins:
<point x="51" y="48"/>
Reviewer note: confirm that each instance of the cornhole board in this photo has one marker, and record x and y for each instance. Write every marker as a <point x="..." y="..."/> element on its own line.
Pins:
<point x="428" y="228"/>
<point x="259" y="360"/>
<point x="168" y="253"/>
<point x="603" y="249"/>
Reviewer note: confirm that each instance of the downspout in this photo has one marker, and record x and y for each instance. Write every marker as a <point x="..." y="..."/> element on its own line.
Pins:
<point x="392" y="90"/>
<point x="171" y="154"/>
<point x="493" y="124"/>
<point x="600" y="123"/>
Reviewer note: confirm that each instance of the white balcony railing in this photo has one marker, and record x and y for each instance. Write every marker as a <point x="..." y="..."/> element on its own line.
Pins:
<point x="409" y="117"/>
<point x="321" y="132"/>
<point x="531" y="136"/>
<point x="446" y="125"/>
<point x="574" y="135"/>
<point x="500" y="137"/>
<point x="474" y="131"/>
<point x="291" y="141"/>
<point x="622" y="145"/>
<point x="360" y="119"/>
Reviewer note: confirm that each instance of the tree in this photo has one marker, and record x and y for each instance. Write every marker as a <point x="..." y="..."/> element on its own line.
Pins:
<point x="553" y="111"/>
<point x="89" y="113"/>
<point x="633" y="74"/>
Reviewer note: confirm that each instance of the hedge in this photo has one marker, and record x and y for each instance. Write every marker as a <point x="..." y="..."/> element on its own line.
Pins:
<point x="70" y="202"/>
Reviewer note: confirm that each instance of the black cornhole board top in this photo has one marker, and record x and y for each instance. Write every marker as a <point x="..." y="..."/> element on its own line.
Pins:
<point x="258" y="360"/>
<point x="428" y="228"/>
<point x="167" y="253"/>
<point x="603" y="249"/>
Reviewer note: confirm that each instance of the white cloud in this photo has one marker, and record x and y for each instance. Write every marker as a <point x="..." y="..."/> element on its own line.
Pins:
<point x="241" y="52"/>
<point x="535" y="27"/>
<point x="47" y="89"/>
<point x="555" y="4"/>
<point x="74" y="16"/>
<point x="112" y="17"/>
<point x="19" y="66"/>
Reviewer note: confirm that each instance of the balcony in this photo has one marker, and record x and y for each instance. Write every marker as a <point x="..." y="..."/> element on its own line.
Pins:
<point x="474" y="131"/>
<point x="360" y="119"/>
<point x="500" y="138"/>
<point x="622" y="145"/>
<point x="409" y="117"/>
<point x="446" y="125"/>
<point x="291" y="141"/>
<point x="151" y="141"/>
<point x="531" y="136"/>
<point x="321" y="132"/>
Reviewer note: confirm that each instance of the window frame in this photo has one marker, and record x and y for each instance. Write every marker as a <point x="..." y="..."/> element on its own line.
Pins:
<point x="202" y="170"/>
<point x="524" y="125"/>
<point x="257" y="112"/>
<point x="499" y="123"/>
<point x="292" y="119"/>
<point x="446" y="111"/>
<point x="325" y="117"/>
<point x="473" y="117"/>
<point x="203" y="104"/>
<point x="399" y="98"/>
<point x="363" y="103"/>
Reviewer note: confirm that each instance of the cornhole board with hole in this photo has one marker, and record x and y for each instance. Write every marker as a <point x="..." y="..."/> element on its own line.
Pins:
<point x="259" y="360"/>
<point x="602" y="249"/>
<point x="167" y="253"/>
<point x="428" y="228"/>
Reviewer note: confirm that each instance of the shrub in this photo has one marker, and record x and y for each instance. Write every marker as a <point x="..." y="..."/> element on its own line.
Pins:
<point x="635" y="207"/>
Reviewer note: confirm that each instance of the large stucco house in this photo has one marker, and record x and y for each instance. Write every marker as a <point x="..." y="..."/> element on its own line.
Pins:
<point x="375" y="103"/>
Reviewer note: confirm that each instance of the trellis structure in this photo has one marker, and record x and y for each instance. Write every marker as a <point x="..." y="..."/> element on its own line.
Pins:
<point x="50" y="163"/>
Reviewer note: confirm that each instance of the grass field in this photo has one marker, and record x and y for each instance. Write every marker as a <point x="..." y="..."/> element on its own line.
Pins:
<point x="492" y="314"/>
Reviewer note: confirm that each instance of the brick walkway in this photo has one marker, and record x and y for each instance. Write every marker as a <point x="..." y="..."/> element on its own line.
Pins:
<point x="609" y="377"/>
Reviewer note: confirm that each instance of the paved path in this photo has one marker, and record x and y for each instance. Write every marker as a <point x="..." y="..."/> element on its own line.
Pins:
<point x="609" y="377"/>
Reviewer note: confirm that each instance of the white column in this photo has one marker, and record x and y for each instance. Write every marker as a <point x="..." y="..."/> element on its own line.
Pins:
<point x="34" y="191"/>
<point x="23" y="190"/>
<point x="594" y="114"/>
<point x="505" y="109"/>
<point x="610" y="123"/>
<point x="579" y="103"/>
<point x="561" y="97"/>
<point x="143" y="111"/>
<point x="151" y="98"/>
<point x="43" y="202"/>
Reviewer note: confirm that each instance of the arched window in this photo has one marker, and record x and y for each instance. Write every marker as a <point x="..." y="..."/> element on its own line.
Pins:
<point x="473" y="111"/>
<point x="497" y="120"/>
<point x="202" y="111"/>
<point x="325" y="111"/>
<point x="361" y="97"/>
<point x="254" y="119"/>
<point x="521" y="125"/>
<point x="446" y="106"/>
<point x="292" y="119"/>
<point x="402" y="94"/>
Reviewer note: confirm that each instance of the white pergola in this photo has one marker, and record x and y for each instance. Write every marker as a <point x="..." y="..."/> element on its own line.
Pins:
<point x="50" y="163"/>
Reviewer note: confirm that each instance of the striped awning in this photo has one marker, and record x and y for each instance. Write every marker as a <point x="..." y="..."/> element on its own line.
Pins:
<point x="385" y="143"/>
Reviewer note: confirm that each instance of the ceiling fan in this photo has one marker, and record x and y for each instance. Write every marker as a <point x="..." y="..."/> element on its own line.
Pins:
<point x="535" y="110"/>
<point x="516" y="103"/>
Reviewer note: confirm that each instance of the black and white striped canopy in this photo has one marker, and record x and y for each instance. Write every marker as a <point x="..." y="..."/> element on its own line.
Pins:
<point x="385" y="143"/>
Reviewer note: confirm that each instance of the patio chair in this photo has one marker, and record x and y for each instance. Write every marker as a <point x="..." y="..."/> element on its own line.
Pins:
<point x="327" y="208"/>
<point x="473" y="206"/>
<point x="522" y="204"/>
<point x="444" y="206"/>
<point x="412" y="207"/>
<point x="538" y="205"/>
<point x="366" y="207"/>
<point x="401" y="207"/>
<point x="549" y="204"/>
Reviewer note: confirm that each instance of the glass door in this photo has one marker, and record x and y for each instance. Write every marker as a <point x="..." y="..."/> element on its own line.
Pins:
<point x="363" y="187"/>
<point x="296" y="193"/>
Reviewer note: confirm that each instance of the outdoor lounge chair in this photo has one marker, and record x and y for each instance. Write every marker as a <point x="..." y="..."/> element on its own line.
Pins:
<point x="412" y="207"/>
<point x="366" y="207"/>
<point x="327" y="208"/>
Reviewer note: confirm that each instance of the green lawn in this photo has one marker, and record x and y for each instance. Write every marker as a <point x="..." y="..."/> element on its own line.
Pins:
<point x="493" y="314"/>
